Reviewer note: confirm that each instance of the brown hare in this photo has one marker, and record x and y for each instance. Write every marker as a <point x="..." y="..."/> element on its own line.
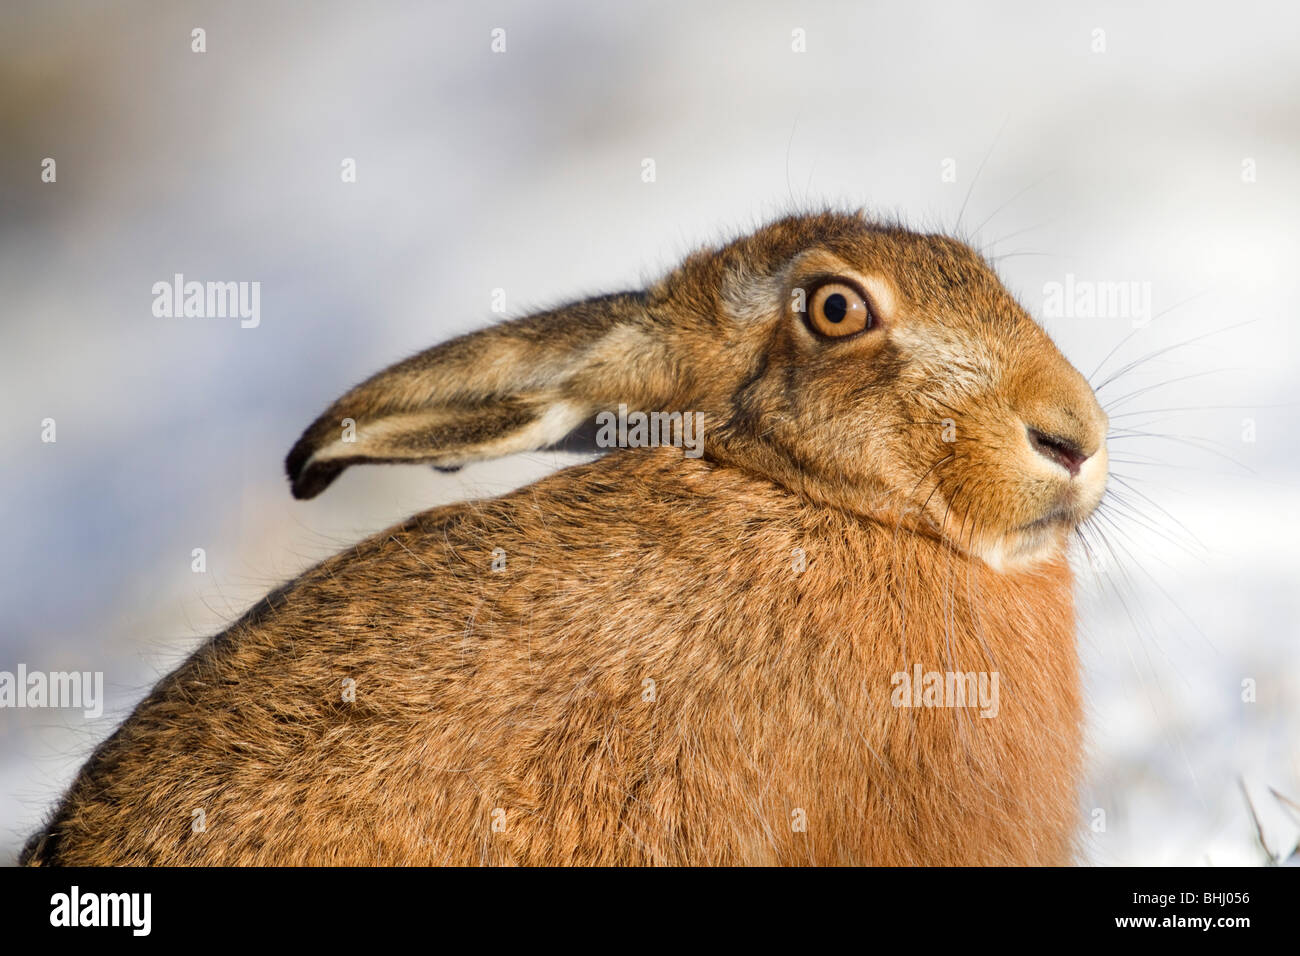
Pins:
<point x="779" y="651"/>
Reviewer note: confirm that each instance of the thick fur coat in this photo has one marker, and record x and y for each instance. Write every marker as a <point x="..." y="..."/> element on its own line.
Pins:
<point x="651" y="658"/>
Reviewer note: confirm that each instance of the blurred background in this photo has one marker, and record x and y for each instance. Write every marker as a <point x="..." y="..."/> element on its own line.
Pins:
<point x="1155" y="146"/>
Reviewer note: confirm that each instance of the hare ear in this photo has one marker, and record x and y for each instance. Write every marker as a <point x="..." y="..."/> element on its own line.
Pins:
<point x="514" y="387"/>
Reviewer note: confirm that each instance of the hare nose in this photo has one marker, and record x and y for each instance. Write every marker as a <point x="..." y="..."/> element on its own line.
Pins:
<point x="1060" y="450"/>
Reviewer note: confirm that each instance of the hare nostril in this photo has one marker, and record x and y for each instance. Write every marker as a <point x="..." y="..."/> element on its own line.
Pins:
<point x="1060" y="450"/>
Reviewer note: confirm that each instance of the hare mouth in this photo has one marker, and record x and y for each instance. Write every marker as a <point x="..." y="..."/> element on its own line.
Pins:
<point x="1054" y="518"/>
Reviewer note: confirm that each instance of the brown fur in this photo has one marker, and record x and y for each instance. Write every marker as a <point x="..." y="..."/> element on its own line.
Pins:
<point x="507" y="716"/>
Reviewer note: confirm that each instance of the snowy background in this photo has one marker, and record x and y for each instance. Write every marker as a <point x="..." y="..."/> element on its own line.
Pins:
<point x="1168" y="157"/>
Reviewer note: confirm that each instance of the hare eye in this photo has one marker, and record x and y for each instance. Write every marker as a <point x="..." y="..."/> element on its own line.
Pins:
<point x="838" y="309"/>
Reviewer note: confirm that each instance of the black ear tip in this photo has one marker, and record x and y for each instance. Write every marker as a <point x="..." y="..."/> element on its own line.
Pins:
<point x="296" y="460"/>
<point x="307" y="481"/>
<point x="301" y="490"/>
<point x="314" y="480"/>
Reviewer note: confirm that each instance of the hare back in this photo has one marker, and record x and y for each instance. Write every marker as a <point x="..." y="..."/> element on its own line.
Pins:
<point x="645" y="659"/>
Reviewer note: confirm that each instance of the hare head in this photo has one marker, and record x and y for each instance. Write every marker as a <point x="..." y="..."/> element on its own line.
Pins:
<point x="860" y="365"/>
